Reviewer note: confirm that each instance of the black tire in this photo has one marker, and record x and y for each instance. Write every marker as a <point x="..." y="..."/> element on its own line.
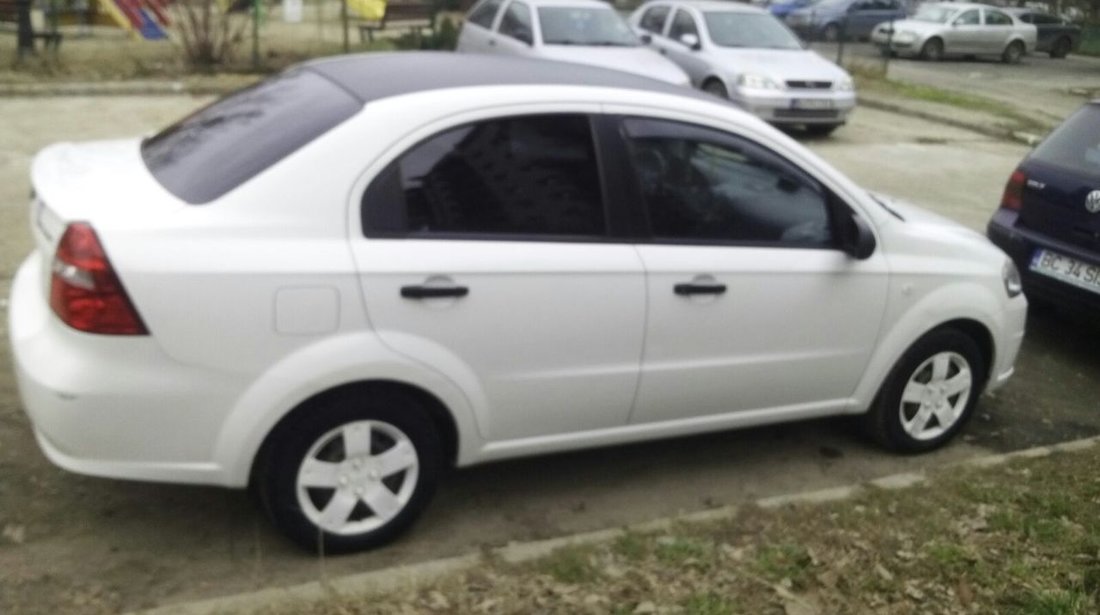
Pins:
<point x="885" y="421"/>
<point x="821" y="130"/>
<point x="830" y="33"/>
<point x="932" y="50"/>
<point x="1013" y="53"/>
<point x="1060" y="48"/>
<point x="390" y="413"/>
<point x="714" y="87"/>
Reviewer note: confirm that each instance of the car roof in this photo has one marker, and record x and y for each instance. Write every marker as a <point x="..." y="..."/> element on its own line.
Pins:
<point x="716" y="5"/>
<point x="373" y="76"/>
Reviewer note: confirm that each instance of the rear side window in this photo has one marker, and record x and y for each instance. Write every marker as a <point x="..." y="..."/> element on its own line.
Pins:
<point x="1075" y="144"/>
<point x="223" y="145"/>
<point x="997" y="18"/>
<point x="520" y="176"/>
<point x="484" y="14"/>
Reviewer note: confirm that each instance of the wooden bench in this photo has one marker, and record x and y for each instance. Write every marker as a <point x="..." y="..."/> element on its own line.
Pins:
<point x="410" y="15"/>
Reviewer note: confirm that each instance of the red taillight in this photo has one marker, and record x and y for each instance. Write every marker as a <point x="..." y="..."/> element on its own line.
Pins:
<point x="85" y="292"/>
<point x="1014" y="191"/>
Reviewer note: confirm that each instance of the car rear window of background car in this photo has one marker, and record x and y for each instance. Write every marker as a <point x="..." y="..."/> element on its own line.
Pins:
<point x="1075" y="144"/>
<point x="226" y="143"/>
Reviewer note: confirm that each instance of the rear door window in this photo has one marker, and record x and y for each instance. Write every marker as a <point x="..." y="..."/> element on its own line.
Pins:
<point x="223" y="145"/>
<point x="507" y="178"/>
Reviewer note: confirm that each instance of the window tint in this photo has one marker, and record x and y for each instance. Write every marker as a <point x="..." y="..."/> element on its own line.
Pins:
<point x="700" y="184"/>
<point x="997" y="18"/>
<point x="516" y="22"/>
<point x="223" y="145"/>
<point x="484" y="14"/>
<point x="528" y="175"/>
<point x="1074" y="145"/>
<point x="653" y="19"/>
<point x="682" y="24"/>
<point x="969" y="18"/>
<point x="1041" y="19"/>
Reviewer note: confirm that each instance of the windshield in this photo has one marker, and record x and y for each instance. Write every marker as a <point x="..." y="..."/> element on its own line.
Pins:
<point x="935" y="14"/>
<point x="736" y="29"/>
<point x="562" y="25"/>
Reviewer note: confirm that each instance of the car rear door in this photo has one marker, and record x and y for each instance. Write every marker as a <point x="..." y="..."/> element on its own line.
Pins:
<point x="997" y="29"/>
<point x="488" y="254"/>
<point x="751" y="307"/>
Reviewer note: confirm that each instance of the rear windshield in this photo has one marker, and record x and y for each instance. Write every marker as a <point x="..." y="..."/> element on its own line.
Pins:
<point x="226" y="143"/>
<point x="1074" y="145"/>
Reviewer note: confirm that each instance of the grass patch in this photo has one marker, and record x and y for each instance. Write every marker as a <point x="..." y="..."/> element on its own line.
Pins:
<point x="1020" y="538"/>
<point x="873" y="78"/>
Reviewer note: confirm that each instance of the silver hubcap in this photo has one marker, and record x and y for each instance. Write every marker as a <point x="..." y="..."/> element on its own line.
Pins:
<point x="357" y="477"/>
<point x="935" y="396"/>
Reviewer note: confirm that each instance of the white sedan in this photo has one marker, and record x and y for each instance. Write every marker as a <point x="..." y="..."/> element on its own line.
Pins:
<point x="580" y="31"/>
<point x="336" y="283"/>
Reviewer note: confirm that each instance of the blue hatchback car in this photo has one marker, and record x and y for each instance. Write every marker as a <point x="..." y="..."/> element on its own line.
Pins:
<point x="828" y="20"/>
<point x="1049" y="219"/>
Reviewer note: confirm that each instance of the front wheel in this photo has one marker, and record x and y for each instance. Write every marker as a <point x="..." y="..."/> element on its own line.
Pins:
<point x="351" y="473"/>
<point x="930" y="393"/>
<point x="1060" y="48"/>
<point x="1013" y="53"/>
<point x="932" y="50"/>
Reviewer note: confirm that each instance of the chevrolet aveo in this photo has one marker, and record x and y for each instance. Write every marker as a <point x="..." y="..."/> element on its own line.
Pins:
<point x="335" y="284"/>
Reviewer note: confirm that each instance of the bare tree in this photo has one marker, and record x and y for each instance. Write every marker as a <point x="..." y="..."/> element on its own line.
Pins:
<point x="210" y="34"/>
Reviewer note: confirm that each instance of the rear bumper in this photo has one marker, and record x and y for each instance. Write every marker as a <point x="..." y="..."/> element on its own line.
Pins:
<point x="113" y="406"/>
<point x="1020" y="244"/>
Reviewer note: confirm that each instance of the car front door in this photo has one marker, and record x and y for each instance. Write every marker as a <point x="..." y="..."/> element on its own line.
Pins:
<point x="477" y="31"/>
<point x="487" y="253"/>
<point x="752" y="306"/>
<point x="687" y="57"/>
<point x="515" y="32"/>
<point x="964" y="33"/>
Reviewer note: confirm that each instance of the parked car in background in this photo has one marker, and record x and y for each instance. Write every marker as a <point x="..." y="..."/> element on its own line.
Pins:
<point x="943" y="29"/>
<point x="745" y="54"/>
<point x="1049" y="218"/>
<point x="1056" y="36"/>
<point x="828" y="20"/>
<point x="783" y="7"/>
<point x="336" y="284"/>
<point x="579" y="31"/>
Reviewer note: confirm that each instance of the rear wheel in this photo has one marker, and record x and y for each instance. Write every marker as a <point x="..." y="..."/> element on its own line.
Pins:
<point x="1060" y="48"/>
<point x="1013" y="53"/>
<point x="351" y="473"/>
<point x="930" y="393"/>
<point x="715" y="87"/>
<point x="932" y="50"/>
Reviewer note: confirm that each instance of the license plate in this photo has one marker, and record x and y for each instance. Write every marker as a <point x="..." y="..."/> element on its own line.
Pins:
<point x="1069" y="270"/>
<point x="811" y="103"/>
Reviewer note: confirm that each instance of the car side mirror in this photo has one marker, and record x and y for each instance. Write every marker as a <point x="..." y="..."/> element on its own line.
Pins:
<point x="857" y="239"/>
<point x="692" y="41"/>
<point x="646" y="38"/>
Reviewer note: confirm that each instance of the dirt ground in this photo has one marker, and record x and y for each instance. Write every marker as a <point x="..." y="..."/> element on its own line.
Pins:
<point x="72" y="544"/>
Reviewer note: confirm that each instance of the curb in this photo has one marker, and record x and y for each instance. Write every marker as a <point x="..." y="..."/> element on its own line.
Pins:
<point x="424" y="574"/>
<point x="1006" y="134"/>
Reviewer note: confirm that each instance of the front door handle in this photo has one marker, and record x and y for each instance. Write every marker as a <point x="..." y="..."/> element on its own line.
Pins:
<point x="693" y="288"/>
<point x="433" y="292"/>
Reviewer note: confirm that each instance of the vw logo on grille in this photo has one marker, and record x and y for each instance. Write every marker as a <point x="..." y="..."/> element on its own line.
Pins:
<point x="1092" y="201"/>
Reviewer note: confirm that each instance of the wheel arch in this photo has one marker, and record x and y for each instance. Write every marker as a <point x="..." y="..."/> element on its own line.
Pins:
<point x="437" y="411"/>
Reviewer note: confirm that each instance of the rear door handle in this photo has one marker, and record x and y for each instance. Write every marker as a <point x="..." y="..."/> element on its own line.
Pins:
<point x="692" y="288"/>
<point x="433" y="292"/>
